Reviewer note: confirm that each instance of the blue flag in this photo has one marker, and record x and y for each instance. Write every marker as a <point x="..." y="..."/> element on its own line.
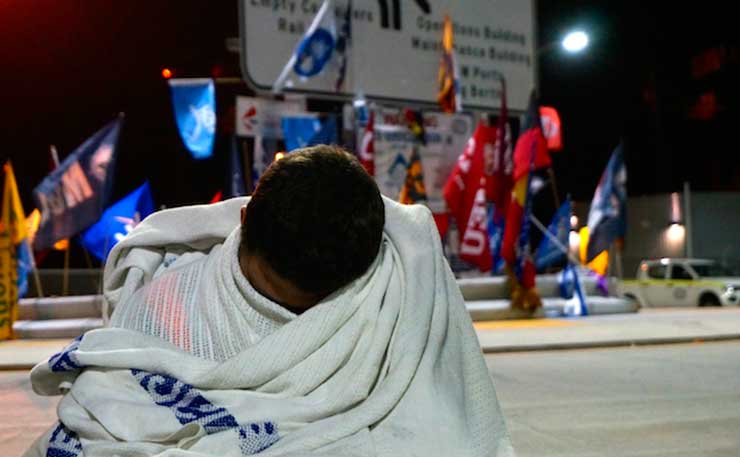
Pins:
<point x="570" y="289"/>
<point x="607" y="219"/>
<point x="549" y="253"/>
<point x="117" y="221"/>
<point x="496" y="236"/>
<point x="24" y="265"/>
<point x="314" y="51"/>
<point x="194" y="101"/>
<point x="301" y="132"/>
<point x="73" y="196"/>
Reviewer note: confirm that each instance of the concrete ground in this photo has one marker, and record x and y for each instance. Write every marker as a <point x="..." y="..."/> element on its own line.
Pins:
<point x="24" y="415"/>
<point x="597" y="386"/>
<point x="673" y="401"/>
<point x="648" y="327"/>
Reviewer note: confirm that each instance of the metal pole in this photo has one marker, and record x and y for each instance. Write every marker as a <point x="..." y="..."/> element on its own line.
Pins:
<point x="54" y="155"/>
<point x="541" y="227"/>
<point x="65" y="276"/>
<point x="554" y="187"/>
<point x="689" y="242"/>
<point x="36" y="277"/>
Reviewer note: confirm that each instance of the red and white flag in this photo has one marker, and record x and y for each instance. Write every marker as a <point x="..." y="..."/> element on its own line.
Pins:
<point x="366" y="146"/>
<point x="465" y="194"/>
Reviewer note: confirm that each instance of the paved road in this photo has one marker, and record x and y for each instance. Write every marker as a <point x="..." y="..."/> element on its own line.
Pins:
<point x="677" y="401"/>
<point x="24" y="415"/>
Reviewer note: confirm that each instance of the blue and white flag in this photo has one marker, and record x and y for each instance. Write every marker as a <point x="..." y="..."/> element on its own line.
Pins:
<point x="73" y="196"/>
<point x="549" y="252"/>
<point x="304" y="131"/>
<point x="117" y="221"/>
<point x="607" y="219"/>
<point x="314" y="51"/>
<point x="194" y="101"/>
<point x="570" y="289"/>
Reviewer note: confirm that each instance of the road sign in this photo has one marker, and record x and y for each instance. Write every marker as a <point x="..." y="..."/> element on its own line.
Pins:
<point x="396" y="48"/>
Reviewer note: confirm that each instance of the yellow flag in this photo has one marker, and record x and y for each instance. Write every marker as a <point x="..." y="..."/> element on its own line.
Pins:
<point x="13" y="217"/>
<point x="413" y="190"/>
<point x="32" y="224"/>
<point x="600" y="263"/>
<point x="448" y="93"/>
<point x="12" y="231"/>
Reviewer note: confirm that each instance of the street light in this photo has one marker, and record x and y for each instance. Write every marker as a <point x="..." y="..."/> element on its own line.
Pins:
<point x="575" y="41"/>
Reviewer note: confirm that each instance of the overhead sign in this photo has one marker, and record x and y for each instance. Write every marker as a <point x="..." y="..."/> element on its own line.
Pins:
<point x="396" y="48"/>
<point x="262" y="117"/>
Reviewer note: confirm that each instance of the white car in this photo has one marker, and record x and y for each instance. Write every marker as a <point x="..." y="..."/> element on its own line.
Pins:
<point x="683" y="282"/>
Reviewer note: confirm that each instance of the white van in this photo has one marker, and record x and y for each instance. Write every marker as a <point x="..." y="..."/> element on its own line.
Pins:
<point x="683" y="282"/>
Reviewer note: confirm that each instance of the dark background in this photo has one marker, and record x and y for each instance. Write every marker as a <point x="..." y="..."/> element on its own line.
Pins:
<point x="68" y="67"/>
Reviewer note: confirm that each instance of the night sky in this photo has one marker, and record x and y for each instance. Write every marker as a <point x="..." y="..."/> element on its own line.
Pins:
<point x="68" y="67"/>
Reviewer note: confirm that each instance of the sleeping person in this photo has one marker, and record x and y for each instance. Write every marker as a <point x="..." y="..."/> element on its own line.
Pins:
<point x="315" y="318"/>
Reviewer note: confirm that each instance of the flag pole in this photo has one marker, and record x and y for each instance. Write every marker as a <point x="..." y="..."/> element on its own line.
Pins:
<point x="54" y="155"/>
<point x="554" y="187"/>
<point x="88" y="260"/>
<point x="34" y="268"/>
<point x="541" y="227"/>
<point x="618" y="259"/>
<point x="65" y="275"/>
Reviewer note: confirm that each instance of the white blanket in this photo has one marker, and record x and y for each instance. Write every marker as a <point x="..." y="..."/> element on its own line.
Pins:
<point x="388" y="366"/>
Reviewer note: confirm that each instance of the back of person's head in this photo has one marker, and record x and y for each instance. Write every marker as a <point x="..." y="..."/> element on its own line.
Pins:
<point x="316" y="218"/>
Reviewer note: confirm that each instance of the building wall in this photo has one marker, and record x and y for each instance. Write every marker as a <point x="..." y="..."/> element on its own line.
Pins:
<point x="651" y="233"/>
<point x="716" y="226"/>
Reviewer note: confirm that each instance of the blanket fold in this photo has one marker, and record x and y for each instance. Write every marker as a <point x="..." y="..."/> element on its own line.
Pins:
<point x="197" y="363"/>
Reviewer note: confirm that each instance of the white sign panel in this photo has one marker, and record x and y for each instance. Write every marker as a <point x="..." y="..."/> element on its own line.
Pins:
<point x="261" y="117"/>
<point x="446" y="137"/>
<point x="396" y="47"/>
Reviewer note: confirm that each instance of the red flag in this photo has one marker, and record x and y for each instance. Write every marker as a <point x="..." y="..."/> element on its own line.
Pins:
<point x="531" y="138"/>
<point x="465" y="194"/>
<point x="551" y="128"/>
<point x="500" y="179"/>
<point x="514" y="217"/>
<point x="530" y="147"/>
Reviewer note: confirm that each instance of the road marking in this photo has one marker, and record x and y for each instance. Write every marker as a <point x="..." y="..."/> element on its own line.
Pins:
<point x="8" y="344"/>
<point x="524" y="323"/>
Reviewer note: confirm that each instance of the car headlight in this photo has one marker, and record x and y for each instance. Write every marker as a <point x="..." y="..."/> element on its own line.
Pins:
<point x="729" y="289"/>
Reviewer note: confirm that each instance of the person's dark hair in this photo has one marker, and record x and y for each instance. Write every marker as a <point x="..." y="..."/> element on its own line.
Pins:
<point x="316" y="218"/>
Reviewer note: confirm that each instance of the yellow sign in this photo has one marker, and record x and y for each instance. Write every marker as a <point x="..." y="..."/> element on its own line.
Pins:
<point x="13" y="230"/>
<point x="8" y="287"/>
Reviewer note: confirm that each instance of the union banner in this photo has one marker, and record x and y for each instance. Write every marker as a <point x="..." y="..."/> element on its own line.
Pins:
<point x="8" y="287"/>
